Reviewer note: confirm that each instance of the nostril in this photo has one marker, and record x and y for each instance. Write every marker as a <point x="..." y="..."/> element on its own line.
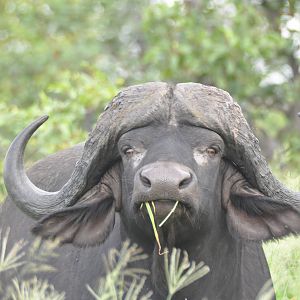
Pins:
<point x="146" y="182"/>
<point x="185" y="182"/>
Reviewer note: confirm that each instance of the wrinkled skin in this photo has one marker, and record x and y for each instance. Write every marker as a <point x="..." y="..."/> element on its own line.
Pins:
<point x="165" y="163"/>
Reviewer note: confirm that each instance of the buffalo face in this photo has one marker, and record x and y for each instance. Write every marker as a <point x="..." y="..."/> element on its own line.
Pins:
<point x="165" y="164"/>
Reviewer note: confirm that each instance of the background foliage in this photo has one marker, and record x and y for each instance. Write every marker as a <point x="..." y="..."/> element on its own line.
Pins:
<point x="69" y="58"/>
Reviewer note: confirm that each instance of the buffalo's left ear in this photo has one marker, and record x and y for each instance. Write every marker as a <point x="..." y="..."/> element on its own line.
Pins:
<point x="91" y="220"/>
<point x="253" y="216"/>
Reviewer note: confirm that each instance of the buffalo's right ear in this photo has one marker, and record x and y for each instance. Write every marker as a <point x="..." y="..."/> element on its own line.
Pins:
<point x="90" y="221"/>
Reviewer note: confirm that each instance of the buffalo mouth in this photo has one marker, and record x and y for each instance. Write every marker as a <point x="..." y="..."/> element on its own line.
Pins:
<point x="162" y="207"/>
<point x="164" y="219"/>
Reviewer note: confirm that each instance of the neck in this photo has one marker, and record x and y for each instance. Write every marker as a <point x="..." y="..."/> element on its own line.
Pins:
<point x="219" y="252"/>
<point x="237" y="269"/>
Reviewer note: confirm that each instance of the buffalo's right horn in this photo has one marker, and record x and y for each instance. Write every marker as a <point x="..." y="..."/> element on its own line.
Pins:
<point x="22" y="191"/>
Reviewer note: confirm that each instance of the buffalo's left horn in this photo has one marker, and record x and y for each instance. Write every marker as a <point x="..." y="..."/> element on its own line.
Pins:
<point x="22" y="191"/>
<point x="136" y="106"/>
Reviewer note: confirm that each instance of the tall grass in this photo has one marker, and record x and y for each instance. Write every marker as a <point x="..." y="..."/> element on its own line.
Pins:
<point x="284" y="262"/>
<point x="283" y="257"/>
<point x="20" y="267"/>
<point x="125" y="282"/>
<point x="33" y="289"/>
<point x="121" y="281"/>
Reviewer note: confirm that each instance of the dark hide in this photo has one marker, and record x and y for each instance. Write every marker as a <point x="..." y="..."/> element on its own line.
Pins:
<point x="219" y="217"/>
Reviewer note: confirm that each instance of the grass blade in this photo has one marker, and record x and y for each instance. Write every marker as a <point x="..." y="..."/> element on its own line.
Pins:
<point x="169" y="214"/>
<point x="151" y="216"/>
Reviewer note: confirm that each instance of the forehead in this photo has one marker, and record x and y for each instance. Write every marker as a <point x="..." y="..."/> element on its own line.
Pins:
<point x="189" y="133"/>
<point x="154" y="104"/>
<point x="199" y="105"/>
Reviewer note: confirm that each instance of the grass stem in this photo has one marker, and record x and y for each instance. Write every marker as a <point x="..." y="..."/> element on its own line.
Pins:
<point x="169" y="214"/>
<point x="151" y="216"/>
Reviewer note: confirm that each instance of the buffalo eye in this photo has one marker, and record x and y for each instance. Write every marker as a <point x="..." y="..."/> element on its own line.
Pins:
<point x="128" y="151"/>
<point x="211" y="151"/>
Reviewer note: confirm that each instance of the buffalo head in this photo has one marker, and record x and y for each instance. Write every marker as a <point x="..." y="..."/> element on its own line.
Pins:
<point x="157" y="142"/>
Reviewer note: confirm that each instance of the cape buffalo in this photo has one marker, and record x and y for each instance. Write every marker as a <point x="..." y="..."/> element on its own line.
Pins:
<point x="164" y="143"/>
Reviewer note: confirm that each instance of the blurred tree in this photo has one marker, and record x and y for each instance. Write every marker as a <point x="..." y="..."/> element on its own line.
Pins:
<point x="39" y="39"/>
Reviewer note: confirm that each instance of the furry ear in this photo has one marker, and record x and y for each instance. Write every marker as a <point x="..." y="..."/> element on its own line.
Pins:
<point x="91" y="220"/>
<point x="253" y="216"/>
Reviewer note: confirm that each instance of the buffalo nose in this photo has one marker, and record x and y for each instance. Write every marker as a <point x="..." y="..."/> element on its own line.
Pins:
<point x="167" y="174"/>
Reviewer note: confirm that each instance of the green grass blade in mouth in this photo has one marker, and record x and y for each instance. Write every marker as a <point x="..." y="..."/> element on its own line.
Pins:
<point x="153" y="205"/>
<point x="151" y="216"/>
<point x="169" y="214"/>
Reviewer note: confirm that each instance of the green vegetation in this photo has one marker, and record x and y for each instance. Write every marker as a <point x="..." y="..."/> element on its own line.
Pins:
<point x="33" y="289"/>
<point x="67" y="59"/>
<point x="120" y="282"/>
<point x="152" y="220"/>
<point x="180" y="272"/>
<point x="21" y="264"/>
<point x="284" y="261"/>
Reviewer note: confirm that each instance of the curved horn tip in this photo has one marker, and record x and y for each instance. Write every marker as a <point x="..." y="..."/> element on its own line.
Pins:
<point x="26" y="133"/>
<point x="42" y="119"/>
